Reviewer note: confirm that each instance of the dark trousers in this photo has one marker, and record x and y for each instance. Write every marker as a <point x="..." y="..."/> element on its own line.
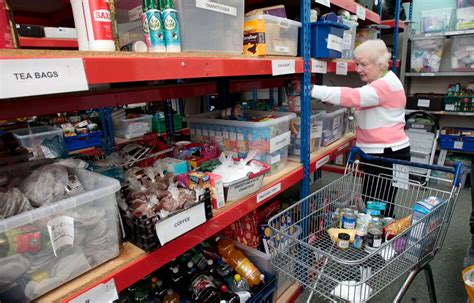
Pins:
<point x="376" y="188"/>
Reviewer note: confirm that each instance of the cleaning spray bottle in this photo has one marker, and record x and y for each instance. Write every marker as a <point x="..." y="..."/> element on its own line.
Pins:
<point x="170" y="26"/>
<point x="153" y="16"/>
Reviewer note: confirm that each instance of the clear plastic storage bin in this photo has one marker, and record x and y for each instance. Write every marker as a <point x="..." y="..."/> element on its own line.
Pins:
<point x="83" y="229"/>
<point x="435" y="21"/>
<point x="366" y="33"/>
<point x="132" y="128"/>
<point x="465" y="17"/>
<point x="34" y="136"/>
<point x="316" y="133"/>
<point x="211" y="25"/>
<point x="334" y="125"/>
<point x="128" y="18"/>
<point x="426" y="54"/>
<point x="349" y="38"/>
<point x="462" y="53"/>
<point x="270" y="35"/>
<point x="269" y="139"/>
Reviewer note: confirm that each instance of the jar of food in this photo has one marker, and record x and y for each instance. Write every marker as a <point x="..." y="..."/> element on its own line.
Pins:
<point x="349" y="219"/>
<point x="343" y="241"/>
<point x="359" y="238"/>
<point x="374" y="237"/>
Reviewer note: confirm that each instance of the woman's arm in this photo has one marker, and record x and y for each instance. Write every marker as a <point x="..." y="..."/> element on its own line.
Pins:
<point x="365" y="96"/>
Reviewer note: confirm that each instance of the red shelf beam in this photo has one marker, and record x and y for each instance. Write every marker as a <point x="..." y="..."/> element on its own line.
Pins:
<point x="48" y="43"/>
<point x="391" y="23"/>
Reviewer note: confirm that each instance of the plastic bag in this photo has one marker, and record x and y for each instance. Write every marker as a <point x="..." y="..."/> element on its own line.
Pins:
<point x="46" y="184"/>
<point x="14" y="202"/>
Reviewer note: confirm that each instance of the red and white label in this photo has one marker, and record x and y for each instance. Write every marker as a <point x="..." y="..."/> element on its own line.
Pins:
<point x="101" y="21"/>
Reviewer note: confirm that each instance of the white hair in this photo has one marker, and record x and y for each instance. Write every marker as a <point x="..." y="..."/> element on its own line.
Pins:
<point x="375" y="51"/>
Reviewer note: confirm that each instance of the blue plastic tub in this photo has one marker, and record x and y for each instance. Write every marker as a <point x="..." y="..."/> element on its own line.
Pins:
<point x="83" y="141"/>
<point x="323" y="45"/>
<point x="457" y="142"/>
<point x="264" y="293"/>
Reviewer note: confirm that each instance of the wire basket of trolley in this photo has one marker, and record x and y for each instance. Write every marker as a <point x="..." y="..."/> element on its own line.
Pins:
<point x="363" y="231"/>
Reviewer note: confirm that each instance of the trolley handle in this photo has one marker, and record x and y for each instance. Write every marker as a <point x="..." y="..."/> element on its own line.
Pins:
<point x="456" y="170"/>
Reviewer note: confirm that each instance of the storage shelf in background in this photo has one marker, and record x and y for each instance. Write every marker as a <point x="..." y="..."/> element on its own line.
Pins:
<point x="133" y="263"/>
<point x="442" y="34"/>
<point x="444" y="113"/>
<point x="441" y="74"/>
<point x="351" y="6"/>
<point x="391" y="23"/>
<point x="51" y="43"/>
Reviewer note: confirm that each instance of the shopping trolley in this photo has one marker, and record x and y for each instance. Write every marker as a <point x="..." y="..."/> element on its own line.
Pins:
<point x="358" y="275"/>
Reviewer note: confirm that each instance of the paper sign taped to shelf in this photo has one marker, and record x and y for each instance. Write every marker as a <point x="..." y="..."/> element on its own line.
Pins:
<point x="174" y="226"/>
<point x="135" y="13"/>
<point x="32" y="77"/>
<point x="282" y="49"/>
<point x="458" y="144"/>
<point x="279" y="142"/>
<point x="341" y="68"/>
<point x="423" y="103"/>
<point x="322" y="161"/>
<point x="244" y="189"/>
<point x="275" y="189"/>
<point x="324" y="2"/>
<point x="450" y="107"/>
<point x="103" y="293"/>
<point x="334" y="43"/>
<point x="360" y="12"/>
<point x="400" y="176"/>
<point x="283" y="67"/>
<point x="216" y="7"/>
<point x="275" y="159"/>
<point x="318" y="66"/>
<point x="61" y="232"/>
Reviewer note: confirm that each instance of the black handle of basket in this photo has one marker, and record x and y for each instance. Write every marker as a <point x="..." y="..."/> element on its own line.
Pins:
<point x="457" y="169"/>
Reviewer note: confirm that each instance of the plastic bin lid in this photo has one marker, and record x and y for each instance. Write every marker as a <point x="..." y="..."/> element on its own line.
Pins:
<point x="276" y="19"/>
<point x="329" y="23"/>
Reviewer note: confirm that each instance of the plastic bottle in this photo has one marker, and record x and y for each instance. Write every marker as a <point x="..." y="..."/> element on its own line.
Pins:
<point x="146" y="29"/>
<point x="237" y="260"/>
<point x="177" y="278"/>
<point x="80" y="24"/>
<point x="98" y="25"/>
<point x="239" y="284"/>
<point x="203" y="289"/>
<point x="170" y="26"/>
<point x="171" y="297"/>
<point x="157" y="288"/>
<point x="155" y="27"/>
<point x="228" y="296"/>
<point x="222" y="269"/>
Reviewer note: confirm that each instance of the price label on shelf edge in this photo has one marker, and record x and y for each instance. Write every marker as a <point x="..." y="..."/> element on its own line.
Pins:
<point x="324" y="2"/>
<point x="269" y="192"/>
<point x="32" y="77"/>
<point x="283" y="67"/>
<point x="341" y="68"/>
<point x="318" y="66"/>
<point x="102" y="293"/>
<point x="360" y="12"/>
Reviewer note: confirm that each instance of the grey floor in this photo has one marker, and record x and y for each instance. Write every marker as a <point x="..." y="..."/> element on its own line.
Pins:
<point x="447" y="265"/>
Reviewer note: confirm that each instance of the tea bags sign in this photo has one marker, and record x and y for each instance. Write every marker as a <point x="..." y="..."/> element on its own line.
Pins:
<point x="61" y="232"/>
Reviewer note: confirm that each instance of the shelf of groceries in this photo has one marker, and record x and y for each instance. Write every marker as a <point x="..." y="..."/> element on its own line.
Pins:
<point x="133" y="263"/>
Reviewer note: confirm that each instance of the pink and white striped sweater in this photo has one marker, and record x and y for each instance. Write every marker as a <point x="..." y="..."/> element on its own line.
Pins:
<point x="379" y="110"/>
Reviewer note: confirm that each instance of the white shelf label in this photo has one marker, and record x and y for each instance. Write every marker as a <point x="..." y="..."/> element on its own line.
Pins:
<point x="449" y="106"/>
<point x="334" y="43"/>
<point x="32" y="77"/>
<point x="318" y="66"/>
<point x="324" y="2"/>
<point x="458" y="144"/>
<point x="135" y="13"/>
<point x="342" y="147"/>
<point x="341" y="68"/>
<point x="283" y="67"/>
<point x="174" y="226"/>
<point x="216" y="7"/>
<point x="269" y="192"/>
<point x="360" y="12"/>
<point x="322" y="161"/>
<point x="279" y="142"/>
<point x="282" y="49"/>
<point x="61" y="232"/>
<point x="423" y="103"/>
<point x="427" y="74"/>
<point x="102" y="293"/>
<point x="400" y="176"/>
<point x="275" y="159"/>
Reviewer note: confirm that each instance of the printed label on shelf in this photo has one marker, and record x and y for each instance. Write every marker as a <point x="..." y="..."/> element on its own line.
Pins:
<point x="269" y="192"/>
<point x="283" y="67"/>
<point x="360" y="12"/>
<point x="282" y="49"/>
<point x="105" y="292"/>
<point x="174" y="226"/>
<point x="32" y="77"/>
<point x="423" y="103"/>
<point x="322" y="161"/>
<point x="335" y="43"/>
<point x="216" y="7"/>
<point x="449" y="106"/>
<point x="341" y="68"/>
<point x="339" y="160"/>
<point x="135" y="13"/>
<point x="318" y="66"/>
<point x="61" y="232"/>
<point x="342" y="147"/>
<point x="427" y="74"/>
<point x="458" y="144"/>
<point x="324" y="2"/>
<point x="275" y="159"/>
<point x="400" y="176"/>
<point x="244" y="189"/>
<point x="279" y="142"/>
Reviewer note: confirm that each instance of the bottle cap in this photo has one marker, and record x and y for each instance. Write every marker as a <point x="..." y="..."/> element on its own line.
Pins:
<point x="190" y="264"/>
<point x="224" y="288"/>
<point x="175" y="270"/>
<point x="168" y="4"/>
<point x="170" y="291"/>
<point x="159" y="283"/>
<point x="154" y="279"/>
<point x="210" y="262"/>
<point x="237" y="278"/>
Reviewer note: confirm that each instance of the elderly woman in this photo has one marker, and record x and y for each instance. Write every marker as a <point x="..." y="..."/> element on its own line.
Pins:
<point x="380" y="114"/>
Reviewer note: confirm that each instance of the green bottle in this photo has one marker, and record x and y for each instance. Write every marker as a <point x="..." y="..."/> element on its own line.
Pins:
<point x="170" y="26"/>
<point x="153" y="16"/>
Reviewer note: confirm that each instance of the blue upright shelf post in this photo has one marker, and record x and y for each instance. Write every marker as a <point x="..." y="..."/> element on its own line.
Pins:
<point x="396" y="18"/>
